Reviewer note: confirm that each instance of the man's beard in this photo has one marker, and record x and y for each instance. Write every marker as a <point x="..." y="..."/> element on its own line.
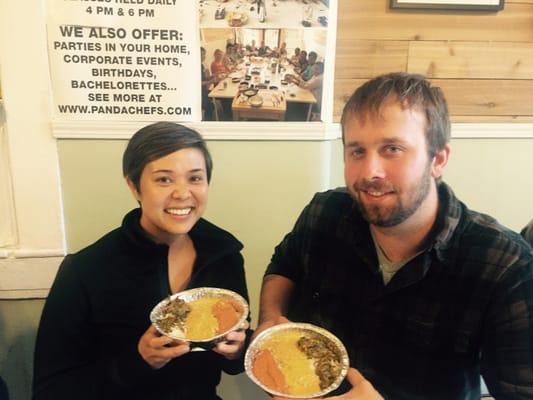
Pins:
<point x="403" y="208"/>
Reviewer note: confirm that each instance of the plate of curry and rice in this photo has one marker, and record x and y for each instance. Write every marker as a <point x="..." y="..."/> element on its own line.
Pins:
<point x="201" y="316"/>
<point x="296" y="360"/>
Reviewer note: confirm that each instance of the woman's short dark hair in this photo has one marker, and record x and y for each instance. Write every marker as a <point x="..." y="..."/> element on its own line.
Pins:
<point x="156" y="141"/>
<point x="411" y="91"/>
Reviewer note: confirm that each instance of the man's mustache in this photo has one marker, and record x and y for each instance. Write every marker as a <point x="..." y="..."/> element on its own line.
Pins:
<point x="374" y="186"/>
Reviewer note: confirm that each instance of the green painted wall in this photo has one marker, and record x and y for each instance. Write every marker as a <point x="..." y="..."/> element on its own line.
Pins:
<point x="494" y="176"/>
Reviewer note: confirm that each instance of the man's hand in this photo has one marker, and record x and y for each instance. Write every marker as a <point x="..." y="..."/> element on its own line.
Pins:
<point x="275" y="293"/>
<point x="233" y="346"/>
<point x="157" y="350"/>
<point x="361" y="389"/>
<point x="269" y="323"/>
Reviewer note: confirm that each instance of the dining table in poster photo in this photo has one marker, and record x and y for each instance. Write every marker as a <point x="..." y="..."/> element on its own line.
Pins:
<point x="261" y="78"/>
<point x="266" y="105"/>
<point x="263" y="13"/>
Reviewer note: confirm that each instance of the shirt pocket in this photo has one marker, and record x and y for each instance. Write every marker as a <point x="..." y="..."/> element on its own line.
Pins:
<point x="437" y="338"/>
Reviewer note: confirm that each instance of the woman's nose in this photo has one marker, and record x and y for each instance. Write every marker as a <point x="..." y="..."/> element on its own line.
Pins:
<point x="181" y="191"/>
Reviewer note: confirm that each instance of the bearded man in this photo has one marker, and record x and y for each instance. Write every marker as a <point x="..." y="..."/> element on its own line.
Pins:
<point x="426" y="294"/>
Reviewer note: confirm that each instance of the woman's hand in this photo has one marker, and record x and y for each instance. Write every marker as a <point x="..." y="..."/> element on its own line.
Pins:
<point x="361" y="389"/>
<point x="157" y="350"/>
<point x="233" y="346"/>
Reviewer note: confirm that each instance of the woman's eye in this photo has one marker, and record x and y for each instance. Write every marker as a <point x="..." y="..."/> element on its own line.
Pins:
<point x="197" y="178"/>
<point x="163" y="179"/>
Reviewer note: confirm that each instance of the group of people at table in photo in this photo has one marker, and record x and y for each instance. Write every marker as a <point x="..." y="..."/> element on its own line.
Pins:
<point x="424" y="292"/>
<point x="309" y="72"/>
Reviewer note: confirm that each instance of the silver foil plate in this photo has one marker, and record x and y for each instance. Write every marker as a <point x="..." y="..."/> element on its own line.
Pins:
<point x="258" y="342"/>
<point x="195" y="294"/>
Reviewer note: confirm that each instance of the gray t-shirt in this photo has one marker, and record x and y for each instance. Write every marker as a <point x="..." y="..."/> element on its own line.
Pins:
<point x="387" y="267"/>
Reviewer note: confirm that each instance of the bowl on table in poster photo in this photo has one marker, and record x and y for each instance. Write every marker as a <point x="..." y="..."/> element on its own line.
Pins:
<point x="221" y="76"/>
<point x="255" y="101"/>
<point x="237" y="74"/>
<point x="243" y="86"/>
<point x="201" y="316"/>
<point x="236" y="18"/>
<point x="296" y="361"/>
<point x="249" y="92"/>
<point x="288" y="77"/>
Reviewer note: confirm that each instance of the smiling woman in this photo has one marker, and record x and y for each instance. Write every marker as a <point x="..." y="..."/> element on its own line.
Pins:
<point x="172" y="189"/>
<point x="99" y="304"/>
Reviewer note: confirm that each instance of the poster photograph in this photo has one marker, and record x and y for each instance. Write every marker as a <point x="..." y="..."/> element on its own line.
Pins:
<point x="187" y="60"/>
<point x="263" y="60"/>
<point x="262" y="74"/>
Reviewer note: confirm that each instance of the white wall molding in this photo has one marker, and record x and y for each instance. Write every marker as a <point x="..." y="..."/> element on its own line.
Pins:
<point x="492" y="130"/>
<point x="34" y="253"/>
<point x="210" y="130"/>
<point x="271" y="130"/>
<point x="27" y="277"/>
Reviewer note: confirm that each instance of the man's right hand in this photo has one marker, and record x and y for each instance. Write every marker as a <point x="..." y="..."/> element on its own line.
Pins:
<point x="361" y="389"/>
<point x="275" y="294"/>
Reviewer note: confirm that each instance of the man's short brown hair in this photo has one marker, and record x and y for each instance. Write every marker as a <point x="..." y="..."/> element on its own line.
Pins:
<point x="411" y="91"/>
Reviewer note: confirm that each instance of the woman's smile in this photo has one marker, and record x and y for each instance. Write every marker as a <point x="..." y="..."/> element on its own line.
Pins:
<point x="179" y="211"/>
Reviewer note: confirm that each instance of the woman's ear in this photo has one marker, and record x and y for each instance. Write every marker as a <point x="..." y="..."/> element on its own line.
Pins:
<point x="133" y="189"/>
<point x="439" y="161"/>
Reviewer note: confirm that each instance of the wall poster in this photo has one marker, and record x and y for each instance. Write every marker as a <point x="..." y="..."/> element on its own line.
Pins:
<point x="187" y="60"/>
<point x="124" y="60"/>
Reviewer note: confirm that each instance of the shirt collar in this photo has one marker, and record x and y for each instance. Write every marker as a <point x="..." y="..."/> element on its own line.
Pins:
<point x="441" y="235"/>
<point x="448" y="217"/>
<point x="210" y="241"/>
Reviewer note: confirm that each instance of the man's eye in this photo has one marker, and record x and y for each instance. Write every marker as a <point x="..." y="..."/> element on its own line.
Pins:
<point x="393" y="149"/>
<point x="357" y="153"/>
